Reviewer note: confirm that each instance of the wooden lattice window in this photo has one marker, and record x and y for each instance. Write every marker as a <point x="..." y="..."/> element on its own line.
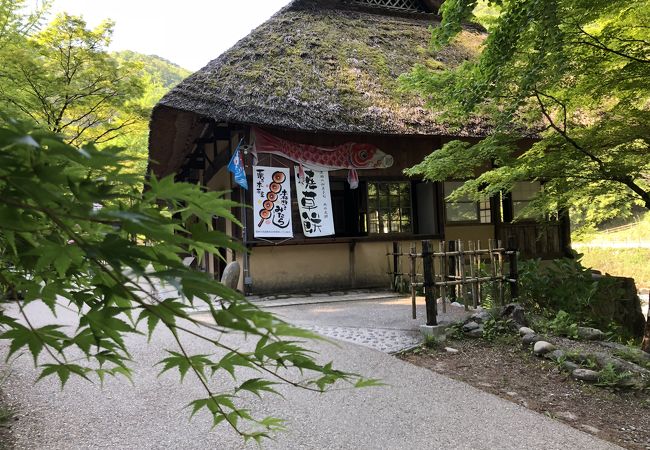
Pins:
<point x="403" y="5"/>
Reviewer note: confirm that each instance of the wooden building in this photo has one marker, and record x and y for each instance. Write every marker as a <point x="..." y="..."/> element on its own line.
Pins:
<point x="325" y="73"/>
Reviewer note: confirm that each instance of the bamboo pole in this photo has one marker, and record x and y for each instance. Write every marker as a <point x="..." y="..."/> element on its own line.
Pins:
<point x="479" y="288"/>
<point x="472" y="257"/>
<point x="461" y="268"/>
<point x="493" y="270"/>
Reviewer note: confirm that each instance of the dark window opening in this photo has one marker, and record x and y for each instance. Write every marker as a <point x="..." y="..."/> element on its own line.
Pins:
<point x="389" y="207"/>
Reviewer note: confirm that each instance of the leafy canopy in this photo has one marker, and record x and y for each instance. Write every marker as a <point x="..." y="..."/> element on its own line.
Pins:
<point x="573" y="73"/>
<point x="64" y="79"/>
<point x="73" y="235"/>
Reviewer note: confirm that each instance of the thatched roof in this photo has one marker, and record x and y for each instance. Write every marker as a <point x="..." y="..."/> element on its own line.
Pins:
<point x="322" y="66"/>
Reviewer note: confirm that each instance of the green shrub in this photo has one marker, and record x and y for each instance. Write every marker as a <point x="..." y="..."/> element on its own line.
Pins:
<point x="610" y="377"/>
<point x="563" y="284"/>
<point x="563" y="324"/>
<point x="494" y="328"/>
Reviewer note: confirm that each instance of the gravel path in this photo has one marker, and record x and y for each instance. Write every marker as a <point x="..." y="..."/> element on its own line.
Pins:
<point x="419" y="409"/>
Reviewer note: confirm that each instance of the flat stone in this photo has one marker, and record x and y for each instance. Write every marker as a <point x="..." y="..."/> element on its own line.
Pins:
<point x="570" y="366"/>
<point x="477" y="333"/>
<point x="523" y="331"/>
<point x="456" y="304"/>
<point x="590" y="429"/>
<point x="453" y="351"/>
<point x="469" y="326"/>
<point x="585" y="375"/>
<point x="555" y="355"/>
<point x="529" y="339"/>
<point x="567" y="415"/>
<point x="543" y="347"/>
<point x="590" y="334"/>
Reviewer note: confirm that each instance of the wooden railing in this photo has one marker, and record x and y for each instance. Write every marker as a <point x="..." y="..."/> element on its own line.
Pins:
<point x="456" y="271"/>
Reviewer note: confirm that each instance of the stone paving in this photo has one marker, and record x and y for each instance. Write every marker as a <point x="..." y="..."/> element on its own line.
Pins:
<point x="382" y="321"/>
<point x="388" y="341"/>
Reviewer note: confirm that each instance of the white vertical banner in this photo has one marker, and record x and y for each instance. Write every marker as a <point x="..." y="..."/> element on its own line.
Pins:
<point x="315" y="202"/>
<point x="272" y="202"/>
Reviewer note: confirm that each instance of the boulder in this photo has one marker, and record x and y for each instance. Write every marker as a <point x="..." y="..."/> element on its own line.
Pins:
<point x="523" y="331"/>
<point x="569" y="366"/>
<point x="230" y="276"/>
<point x="469" y="326"/>
<point x="481" y="316"/>
<point x="529" y="339"/>
<point x="453" y="351"/>
<point x="588" y="375"/>
<point x="555" y="355"/>
<point x="477" y="333"/>
<point x="543" y="347"/>
<point x="590" y="334"/>
<point x="515" y="312"/>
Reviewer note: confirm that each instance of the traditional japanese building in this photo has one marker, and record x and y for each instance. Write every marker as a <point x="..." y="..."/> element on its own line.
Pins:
<point x="321" y="77"/>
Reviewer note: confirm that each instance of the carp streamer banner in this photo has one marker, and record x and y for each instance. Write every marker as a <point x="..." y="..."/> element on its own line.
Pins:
<point x="315" y="202"/>
<point x="272" y="202"/>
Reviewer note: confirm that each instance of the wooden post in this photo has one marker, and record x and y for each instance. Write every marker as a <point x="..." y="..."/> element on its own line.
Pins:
<point x="501" y="277"/>
<point x="395" y="264"/>
<point x="493" y="271"/>
<point x="412" y="255"/>
<point x="472" y="273"/>
<point x="452" y="270"/>
<point x="478" y="271"/>
<point x="443" y="276"/>
<point x="461" y="271"/>
<point x="514" y="271"/>
<point x="427" y="269"/>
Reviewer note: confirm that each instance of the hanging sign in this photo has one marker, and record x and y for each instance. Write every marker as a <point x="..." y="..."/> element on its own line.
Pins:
<point x="314" y="202"/>
<point x="272" y="202"/>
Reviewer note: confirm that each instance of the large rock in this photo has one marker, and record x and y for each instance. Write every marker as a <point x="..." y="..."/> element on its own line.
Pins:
<point x="529" y="339"/>
<point x="481" y="316"/>
<point x="523" y="331"/>
<point x="555" y="355"/>
<point x="617" y="301"/>
<point x="230" y="276"/>
<point x="543" y="347"/>
<point x="477" y="333"/>
<point x="569" y="366"/>
<point x="469" y="326"/>
<point x="590" y="334"/>
<point x="588" y="375"/>
<point x="515" y="312"/>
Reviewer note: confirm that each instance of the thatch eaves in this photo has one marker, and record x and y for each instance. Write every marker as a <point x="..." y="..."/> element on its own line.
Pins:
<point x="325" y="66"/>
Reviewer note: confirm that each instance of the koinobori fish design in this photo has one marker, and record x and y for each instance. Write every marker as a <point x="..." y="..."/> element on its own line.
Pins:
<point x="350" y="156"/>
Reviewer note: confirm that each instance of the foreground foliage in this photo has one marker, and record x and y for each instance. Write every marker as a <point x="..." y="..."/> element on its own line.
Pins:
<point x="72" y="236"/>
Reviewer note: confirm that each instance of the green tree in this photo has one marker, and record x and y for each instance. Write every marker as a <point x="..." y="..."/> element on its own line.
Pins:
<point x="572" y="73"/>
<point x="70" y="233"/>
<point x="16" y="23"/>
<point x="64" y="79"/>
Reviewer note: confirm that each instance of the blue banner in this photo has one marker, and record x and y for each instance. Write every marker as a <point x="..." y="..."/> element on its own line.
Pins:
<point x="236" y="166"/>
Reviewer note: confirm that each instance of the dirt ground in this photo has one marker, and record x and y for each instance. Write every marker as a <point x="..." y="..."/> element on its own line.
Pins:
<point x="509" y="371"/>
